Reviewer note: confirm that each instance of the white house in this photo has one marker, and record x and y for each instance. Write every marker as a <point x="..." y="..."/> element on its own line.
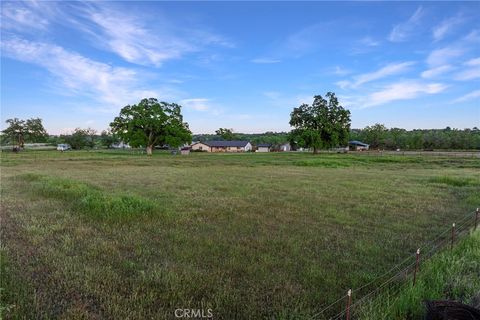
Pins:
<point x="200" y="146"/>
<point x="263" y="147"/>
<point x="222" y="146"/>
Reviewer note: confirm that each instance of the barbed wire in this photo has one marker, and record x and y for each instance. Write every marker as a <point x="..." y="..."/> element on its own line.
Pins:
<point x="428" y="249"/>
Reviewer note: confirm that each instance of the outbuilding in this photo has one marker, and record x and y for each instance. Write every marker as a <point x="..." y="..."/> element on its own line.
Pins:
<point x="285" y="147"/>
<point x="263" y="147"/>
<point x="355" y="145"/>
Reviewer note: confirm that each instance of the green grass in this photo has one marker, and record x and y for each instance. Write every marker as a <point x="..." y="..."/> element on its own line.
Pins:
<point x="452" y="275"/>
<point x="120" y="235"/>
<point x="87" y="198"/>
<point x="456" y="182"/>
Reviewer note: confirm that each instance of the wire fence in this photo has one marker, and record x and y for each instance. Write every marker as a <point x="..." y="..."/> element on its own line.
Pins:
<point x="399" y="276"/>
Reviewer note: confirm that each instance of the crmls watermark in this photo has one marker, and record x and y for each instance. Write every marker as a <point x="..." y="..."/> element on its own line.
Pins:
<point x="194" y="313"/>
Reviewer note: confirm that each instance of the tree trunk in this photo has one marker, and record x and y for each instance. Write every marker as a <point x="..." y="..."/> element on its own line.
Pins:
<point x="315" y="150"/>
<point x="149" y="150"/>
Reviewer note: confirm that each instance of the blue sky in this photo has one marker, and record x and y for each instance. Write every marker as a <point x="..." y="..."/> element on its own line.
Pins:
<point x="241" y="65"/>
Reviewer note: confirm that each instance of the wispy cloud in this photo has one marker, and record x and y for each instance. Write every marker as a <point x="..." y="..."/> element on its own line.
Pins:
<point x="23" y="16"/>
<point x="363" y="45"/>
<point x="402" y="31"/>
<point x="443" y="55"/>
<point x="469" y="96"/>
<point x="265" y="60"/>
<point x="404" y="90"/>
<point x="279" y="99"/>
<point x="446" y="26"/>
<point x="197" y="104"/>
<point x="340" y="71"/>
<point x="471" y="71"/>
<point x="112" y="87"/>
<point x="369" y="42"/>
<point x="132" y="39"/>
<point x="472" y="36"/>
<point x="140" y="39"/>
<point x="436" y="71"/>
<point x="388" y="70"/>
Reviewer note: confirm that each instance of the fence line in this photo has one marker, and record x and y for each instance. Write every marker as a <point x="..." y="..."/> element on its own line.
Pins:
<point x="401" y="270"/>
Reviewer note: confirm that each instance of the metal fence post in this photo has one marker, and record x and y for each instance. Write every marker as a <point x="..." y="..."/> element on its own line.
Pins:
<point x="453" y="236"/>
<point x="349" y="302"/>
<point x="476" y="217"/>
<point x="416" y="267"/>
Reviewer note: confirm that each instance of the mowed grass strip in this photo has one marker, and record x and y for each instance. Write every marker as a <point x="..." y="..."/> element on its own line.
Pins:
<point x="87" y="198"/>
<point x="249" y="237"/>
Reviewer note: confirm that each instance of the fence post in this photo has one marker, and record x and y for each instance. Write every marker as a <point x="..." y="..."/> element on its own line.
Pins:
<point x="416" y="267"/>
<point x="349" y="302"/>
<point x="476" y="218"/>
<point x="453" y="235"/>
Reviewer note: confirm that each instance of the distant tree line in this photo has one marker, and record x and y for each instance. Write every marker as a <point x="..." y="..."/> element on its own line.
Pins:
<point x="324" y="124"/>
<point x="379" y="137"/>
<point x="273" y="138"/>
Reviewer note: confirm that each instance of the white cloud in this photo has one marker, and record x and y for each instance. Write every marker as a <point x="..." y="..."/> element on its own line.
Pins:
<point x="388" y="70"/>
<point x="469" y="96"/>
<point x="470" y="72"/>
<point x="265" y="60"/>
<point x="144" y="39"/>
<point x="112" y="87"/>
<point x="404" y="90"/>
<point x="444" y="55"/>
<point x="197" y="104"/>
<point x="446" y="26"/>
<point x="340" y="71"/>
<point x="436" y="71"/>
<point x="281" y="100"/>
<point x="23" y="16"/>
<point x="402" y="31"/>
<point x="273" y="95"/>
<point x="343" y="84"/>
<point x="473" y="62"/>
<point x="473" y="36"/>
<point x="129" y="36"/>
<point x="369" y="42"/>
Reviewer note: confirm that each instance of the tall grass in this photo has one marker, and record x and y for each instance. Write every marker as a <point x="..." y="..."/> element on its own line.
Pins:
<point x="89" y="199"/>
<point x="451" y="275"/>
<point x="252" y="236"/>
<point x="455" y="181"/>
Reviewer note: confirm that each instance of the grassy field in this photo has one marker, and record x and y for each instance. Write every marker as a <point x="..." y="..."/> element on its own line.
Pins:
<point x="118" y="235"/>
<point x="452" y="275"/>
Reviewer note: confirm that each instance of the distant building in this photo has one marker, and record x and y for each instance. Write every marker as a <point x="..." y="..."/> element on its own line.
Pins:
<point x="222" y="146"/>
<point x="263" y="147"/>
<point x="63" y="147"/>
<point x="357" y="145"/>
<point x="285" y="147"/>
<point x="120" y="145"/>
<point x="185" y="151"/>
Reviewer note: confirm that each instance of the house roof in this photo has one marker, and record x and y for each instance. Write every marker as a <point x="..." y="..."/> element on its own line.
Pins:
<point x="358" y="143"/>
<point x="234" y="143"/>
<point x="264" y="145"/>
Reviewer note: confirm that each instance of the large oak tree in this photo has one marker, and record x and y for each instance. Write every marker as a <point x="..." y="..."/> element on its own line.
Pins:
<point x="151" y="123"/>
<point x="20" y="131"/>
<point x="323" y="124"/>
